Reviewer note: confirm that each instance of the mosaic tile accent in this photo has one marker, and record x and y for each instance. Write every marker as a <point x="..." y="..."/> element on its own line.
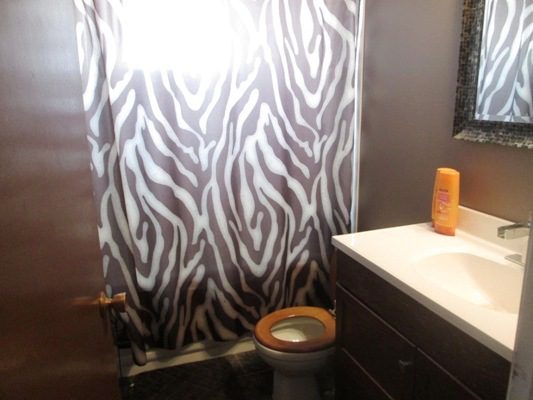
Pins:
<point x="465" y="126"/>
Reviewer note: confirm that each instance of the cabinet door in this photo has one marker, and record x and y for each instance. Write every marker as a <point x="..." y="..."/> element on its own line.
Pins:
<point x="434" y="383"/>
<point x="379" y="350"/>
<point x="352" y="383"/>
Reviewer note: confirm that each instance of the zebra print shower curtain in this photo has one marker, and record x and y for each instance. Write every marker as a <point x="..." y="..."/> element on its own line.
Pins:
<point x="221" y="135"/>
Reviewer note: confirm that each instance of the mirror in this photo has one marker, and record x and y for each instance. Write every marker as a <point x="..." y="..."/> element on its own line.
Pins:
<point x="493" y="96"/>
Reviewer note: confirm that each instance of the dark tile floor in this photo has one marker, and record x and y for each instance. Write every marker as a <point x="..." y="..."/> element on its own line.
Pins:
<point x="242" y="376"/>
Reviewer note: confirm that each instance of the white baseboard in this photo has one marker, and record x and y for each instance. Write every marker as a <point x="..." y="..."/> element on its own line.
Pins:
<point x="160" y="358"/>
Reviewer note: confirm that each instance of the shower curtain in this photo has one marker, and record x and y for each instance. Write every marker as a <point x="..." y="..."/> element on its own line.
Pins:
<point x="221" y="135"/>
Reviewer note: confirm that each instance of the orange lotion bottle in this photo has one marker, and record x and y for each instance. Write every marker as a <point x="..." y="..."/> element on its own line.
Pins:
<point x="445" y="207"/>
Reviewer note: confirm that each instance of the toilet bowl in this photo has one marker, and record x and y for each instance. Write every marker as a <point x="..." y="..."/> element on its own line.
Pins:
<point x="296" y="342"/>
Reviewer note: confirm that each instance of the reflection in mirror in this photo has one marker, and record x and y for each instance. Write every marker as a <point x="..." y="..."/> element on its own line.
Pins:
<point x="503" y="114"/>
<point x="506" y="64"/>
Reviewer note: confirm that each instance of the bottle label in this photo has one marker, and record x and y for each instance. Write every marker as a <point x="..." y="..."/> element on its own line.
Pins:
<point x="443" y="204"/>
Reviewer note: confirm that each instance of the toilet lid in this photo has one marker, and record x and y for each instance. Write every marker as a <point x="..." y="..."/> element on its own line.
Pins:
<point x="263" y="330"/>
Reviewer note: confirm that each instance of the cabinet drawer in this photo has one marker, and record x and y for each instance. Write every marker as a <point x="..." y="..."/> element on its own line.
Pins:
<point x="479" y="368"/>
<point x="376" y="347"/>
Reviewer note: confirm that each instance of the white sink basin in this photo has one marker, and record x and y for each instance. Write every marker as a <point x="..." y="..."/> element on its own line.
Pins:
<point x="478" y="280"/>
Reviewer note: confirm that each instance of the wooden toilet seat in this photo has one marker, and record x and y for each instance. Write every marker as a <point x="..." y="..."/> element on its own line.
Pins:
<point x="263" y="330"/>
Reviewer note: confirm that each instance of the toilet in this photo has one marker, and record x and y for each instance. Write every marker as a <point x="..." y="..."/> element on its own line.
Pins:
<point x="296" y="342"/>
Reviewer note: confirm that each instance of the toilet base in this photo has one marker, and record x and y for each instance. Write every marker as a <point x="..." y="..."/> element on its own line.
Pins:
<point x="295" y="387"/>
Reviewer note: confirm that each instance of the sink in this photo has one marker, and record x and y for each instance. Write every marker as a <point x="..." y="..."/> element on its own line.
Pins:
<point x="479" y="280"/>
<point x="464" y="279"/>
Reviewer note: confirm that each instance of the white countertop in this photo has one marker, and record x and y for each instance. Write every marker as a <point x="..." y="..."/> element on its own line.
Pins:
<point x="390" y="253"/>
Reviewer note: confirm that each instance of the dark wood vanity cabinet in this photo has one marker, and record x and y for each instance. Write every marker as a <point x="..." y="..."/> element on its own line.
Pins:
<point x="389" y="346"/>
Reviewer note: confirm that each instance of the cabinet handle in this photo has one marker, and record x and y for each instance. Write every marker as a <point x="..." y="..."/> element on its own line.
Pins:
<point x="404" y="365"/>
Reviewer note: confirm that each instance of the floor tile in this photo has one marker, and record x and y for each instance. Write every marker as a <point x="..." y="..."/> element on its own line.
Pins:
<point x="243" y="376"/>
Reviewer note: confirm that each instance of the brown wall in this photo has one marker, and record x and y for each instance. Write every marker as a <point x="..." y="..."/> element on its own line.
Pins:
<point x="410" y="70"/>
